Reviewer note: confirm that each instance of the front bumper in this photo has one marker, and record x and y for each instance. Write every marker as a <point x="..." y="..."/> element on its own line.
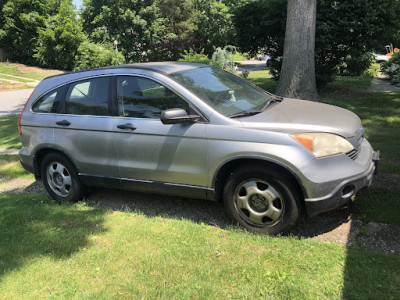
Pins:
<point x="340" y="192"/>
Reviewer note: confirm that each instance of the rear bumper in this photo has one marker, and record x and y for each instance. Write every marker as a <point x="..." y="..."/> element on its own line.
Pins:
<point x="344" y="191"/>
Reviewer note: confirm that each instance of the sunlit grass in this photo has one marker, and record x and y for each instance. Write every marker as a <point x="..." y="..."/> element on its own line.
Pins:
<point x="9" y="137"/>
<point x="77" y="251"/>
<point x="14" y="78"/>
<point x="10" y="167"/>
<point x="12" y="69"/>
<point x="264" y="80"/>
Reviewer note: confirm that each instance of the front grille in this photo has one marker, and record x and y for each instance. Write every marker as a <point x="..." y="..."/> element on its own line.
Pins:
<point x="353" y="153"/>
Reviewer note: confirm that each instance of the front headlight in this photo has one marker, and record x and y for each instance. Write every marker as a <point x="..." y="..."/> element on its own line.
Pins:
<point x="323" y="144"/>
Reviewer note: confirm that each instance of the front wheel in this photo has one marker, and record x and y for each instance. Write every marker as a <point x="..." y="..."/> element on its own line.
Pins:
<point x="262" y="200"/>
<point x="61" y="179"/>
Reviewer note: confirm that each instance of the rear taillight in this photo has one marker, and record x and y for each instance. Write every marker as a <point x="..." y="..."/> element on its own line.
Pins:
<point x="19" y="119"/>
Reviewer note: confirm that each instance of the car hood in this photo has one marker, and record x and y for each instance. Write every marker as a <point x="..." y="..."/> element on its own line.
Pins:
<point x="293" y="115"/>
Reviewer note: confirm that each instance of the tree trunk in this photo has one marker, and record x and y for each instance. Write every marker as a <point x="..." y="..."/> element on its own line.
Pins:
<point x="297" y="78"/>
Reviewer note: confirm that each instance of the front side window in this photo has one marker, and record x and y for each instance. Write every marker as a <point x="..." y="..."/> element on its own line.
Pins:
<point x="144" y="98"/>
<point x="46" y="103"/>
<point x="89" y="97"/>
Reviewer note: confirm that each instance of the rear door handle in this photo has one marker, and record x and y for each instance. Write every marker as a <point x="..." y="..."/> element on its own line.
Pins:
<point x="63" y="123"/>
<point x="127" y="126"/>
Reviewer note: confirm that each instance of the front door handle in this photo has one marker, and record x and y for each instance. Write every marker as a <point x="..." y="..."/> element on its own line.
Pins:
<point x="63" y="123"/>
<point x="127" y="126"/>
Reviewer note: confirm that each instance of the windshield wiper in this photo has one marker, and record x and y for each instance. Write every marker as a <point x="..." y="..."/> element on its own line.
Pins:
<point x="274" y="99"/>
<point x="245" y="114"/>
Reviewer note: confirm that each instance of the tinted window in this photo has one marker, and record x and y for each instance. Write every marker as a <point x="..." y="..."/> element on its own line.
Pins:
<point x="144" y="98"/>
<point x="45" y="103"/>
<point x="89" y="97"/>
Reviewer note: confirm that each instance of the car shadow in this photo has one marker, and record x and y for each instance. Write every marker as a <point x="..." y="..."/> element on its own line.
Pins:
<point x="203" y="211"/>
<point x="34" y="226"/>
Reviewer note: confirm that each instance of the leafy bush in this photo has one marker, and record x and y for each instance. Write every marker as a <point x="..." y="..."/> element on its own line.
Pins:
<point x="192" y="56"/>
<point x="172" y="49"/>
<point x="392" y="68"/>
<point x="224" y="58"/>
<point x="91" y="55"/>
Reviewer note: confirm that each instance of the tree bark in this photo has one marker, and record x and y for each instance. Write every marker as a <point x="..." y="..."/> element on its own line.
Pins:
<point x="297" y="78"/>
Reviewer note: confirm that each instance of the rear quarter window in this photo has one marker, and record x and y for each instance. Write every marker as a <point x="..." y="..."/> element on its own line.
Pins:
<point x="46" y="103"/>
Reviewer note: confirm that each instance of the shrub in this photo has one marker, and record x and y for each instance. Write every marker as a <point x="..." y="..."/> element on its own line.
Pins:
<point x="192" y="56"/>
<point x="91" y="55"/>
<point x="172" y="49"/>
<point x="224" y="57"/>
<point x="392" y="68"/>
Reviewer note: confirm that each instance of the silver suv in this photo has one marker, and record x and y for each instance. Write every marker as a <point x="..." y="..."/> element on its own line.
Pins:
<point x="192" y="130"/>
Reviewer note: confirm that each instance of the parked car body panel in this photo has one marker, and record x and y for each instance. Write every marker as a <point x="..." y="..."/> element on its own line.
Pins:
<point x="184" y="159"/>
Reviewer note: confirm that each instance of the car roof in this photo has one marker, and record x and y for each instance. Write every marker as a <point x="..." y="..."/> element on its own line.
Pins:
<point x="166" y="68"/>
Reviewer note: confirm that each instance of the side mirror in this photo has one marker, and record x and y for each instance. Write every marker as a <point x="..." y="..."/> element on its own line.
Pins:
<point x="177" y="116"/>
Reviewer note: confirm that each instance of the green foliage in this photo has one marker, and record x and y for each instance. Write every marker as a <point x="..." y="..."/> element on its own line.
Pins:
<point x="181" y="17"/>
<point x="346" y="31"/>
<point x="134" y="24"/>
<point x="91" y="55"/>
<point x="224" y="58"/>
<point x="392" y="68"/>
<point x="58" y="42"/>
<point x="192" y="56"/>
<point x="19" y="32"/>
<point x="245" y="74"/>
<point x="215" y="25"/>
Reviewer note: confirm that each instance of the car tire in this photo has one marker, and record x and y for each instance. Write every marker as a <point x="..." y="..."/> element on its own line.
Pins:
<point x="60" y="179"/>
<point x="262" y="200"/>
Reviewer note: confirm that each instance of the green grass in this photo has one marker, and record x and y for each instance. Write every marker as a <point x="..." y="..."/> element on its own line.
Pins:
<point x="9" y="137"/>
<point x="14" y="78"/>
<point x="65" y="251"/>
<point x="11" y="69"/>
<point x="10" y="167"/>
<point x="239" y="56"/>
<point x="380" y="115"/>
<point x="6" y="85"/>
<point x="352" y="81"/>
<point x="379" y="205"/>
<point x="264" y="80"/>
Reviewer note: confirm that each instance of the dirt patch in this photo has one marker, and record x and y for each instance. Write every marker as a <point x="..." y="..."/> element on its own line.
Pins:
<point x="6" y="86"/>
<point x="24" y="68"/>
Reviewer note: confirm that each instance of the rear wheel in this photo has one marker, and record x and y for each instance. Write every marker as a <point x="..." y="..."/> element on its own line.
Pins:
<point x="61" y="179"/>
<point x="262" y="200"/>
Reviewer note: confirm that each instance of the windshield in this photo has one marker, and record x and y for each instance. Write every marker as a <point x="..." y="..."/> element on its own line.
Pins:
<point x="226" y="93"/>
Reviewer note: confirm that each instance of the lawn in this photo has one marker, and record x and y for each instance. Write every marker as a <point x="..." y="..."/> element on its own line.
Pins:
<point x="82" y="251"/>
<point x="9" y="137"/>
<point x="240" y="56"/>
<point x="27" y="72"/>
<point x="264" y="80"/>
<point x="380" y="115"/>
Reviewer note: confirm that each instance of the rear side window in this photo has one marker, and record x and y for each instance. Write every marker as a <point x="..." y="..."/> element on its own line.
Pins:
<point x="89" y="97"/>
<point x="46" y="103"/>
